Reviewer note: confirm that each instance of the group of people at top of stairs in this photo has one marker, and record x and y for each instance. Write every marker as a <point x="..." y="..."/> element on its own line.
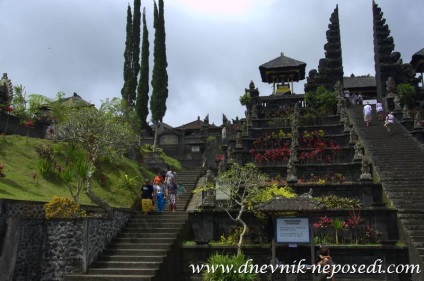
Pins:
<point x="389" y="119"/>
<point x="163" y="187"/>
<point x="353" y="98"/>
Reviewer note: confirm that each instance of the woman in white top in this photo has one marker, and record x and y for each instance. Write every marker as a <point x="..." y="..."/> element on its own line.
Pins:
<point x="390" y="118"/>
<point x="379" y="108"/>
<point x="367" y="113"/>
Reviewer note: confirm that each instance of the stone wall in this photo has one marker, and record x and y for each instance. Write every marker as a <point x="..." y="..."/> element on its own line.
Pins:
<point x="36" y="249"/>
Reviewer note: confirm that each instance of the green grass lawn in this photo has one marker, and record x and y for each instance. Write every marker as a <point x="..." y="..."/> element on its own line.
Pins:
<point x="23" y="180"/>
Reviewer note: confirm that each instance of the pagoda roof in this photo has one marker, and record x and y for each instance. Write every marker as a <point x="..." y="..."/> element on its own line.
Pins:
<point x="74" y="101"/>
<point x="195" y="125"/>
<point x="417" y="61"/>
<point x="355" y="82"/>
<point x="281" y="69"/>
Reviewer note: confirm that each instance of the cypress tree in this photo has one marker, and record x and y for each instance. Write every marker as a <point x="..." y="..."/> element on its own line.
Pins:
<point x="143" y="85"/>
<point x="159" y="75"/>
<point x="135" y="58"/>
<point x="127" y="58"/>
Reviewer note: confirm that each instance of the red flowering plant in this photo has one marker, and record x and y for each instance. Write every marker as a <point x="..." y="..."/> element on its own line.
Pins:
<point x="219" y="157"/>
<point x="259" y="158"/>
<point x="2" y="175"/>
<point x="29" y="124"/>
<point x="323" y="230"/>
<point x="317" y="148"/>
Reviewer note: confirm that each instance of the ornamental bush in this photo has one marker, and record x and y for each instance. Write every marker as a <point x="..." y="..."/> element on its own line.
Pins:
<point x="60" y="207"/>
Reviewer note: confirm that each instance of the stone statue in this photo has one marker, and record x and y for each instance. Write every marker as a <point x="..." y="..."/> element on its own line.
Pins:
<point x="390" y="88"/>
<point x="244" y="132"/>
<point x="224" y="134"/>
<point x="206" y="120"/>
<point x="291" y="172"/>
<point x="358" y="151"/>
<point x="224" y="120"/>
<point x="418" y="121"/>
<point x="406" y="114"/>
<point x="221" y="168"/>
<point x="338" y="89"/>
<point x="365" y="169"/>
<point x="230" y="154"/>
<point x="346" y="128"/>
<point x="254" y="111"/>
<point x="352" y="136"/>
<point x="396" y="100"/>
<point x="238" y="141"/>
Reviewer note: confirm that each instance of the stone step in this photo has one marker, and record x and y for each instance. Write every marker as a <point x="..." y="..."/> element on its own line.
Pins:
<point x="144" y="240"/>
<point x="137" y="246"/>
<point x="107" y="277"/>
<point x="130" y="258"/>
<point x="153" y="224"/>
<point x="123" y="271"/>
<point x="147" y="234"/>
<point x="136" y="252"/>
<point x="141" y="247"/>
<point x="127" y="264"/>
<point x="152" y="230"/>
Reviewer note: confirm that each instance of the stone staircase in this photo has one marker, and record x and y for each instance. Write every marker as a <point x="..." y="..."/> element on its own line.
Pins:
<point x="399" y="162"/>
<point x="148" y="244"/>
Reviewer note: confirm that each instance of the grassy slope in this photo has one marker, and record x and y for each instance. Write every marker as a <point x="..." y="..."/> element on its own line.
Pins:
<point x="23" y="180"/>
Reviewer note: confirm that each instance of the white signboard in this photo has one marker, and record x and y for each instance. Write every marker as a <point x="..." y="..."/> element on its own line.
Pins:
<point x="195" y="148"/>
<point x="292" y="230"/>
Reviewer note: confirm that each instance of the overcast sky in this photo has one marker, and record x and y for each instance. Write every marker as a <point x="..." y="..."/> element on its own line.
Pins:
<point x="214" y="47"/>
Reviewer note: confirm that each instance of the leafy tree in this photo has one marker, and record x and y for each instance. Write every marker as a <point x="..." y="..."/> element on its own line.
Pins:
<point x="116" y="108"/>
<point x="143" y="85"/>
<point x="406" y="94"/>
<point x="159" y="75"/>
<point x="241" y="184"/>
<point x="99" y="134"/>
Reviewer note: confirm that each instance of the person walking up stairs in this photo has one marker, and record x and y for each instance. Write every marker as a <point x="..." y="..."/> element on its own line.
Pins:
<point x="148" y="244"/>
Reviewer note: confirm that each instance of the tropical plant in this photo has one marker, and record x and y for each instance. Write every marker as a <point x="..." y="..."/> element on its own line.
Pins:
<point x="222" y="267"/>
<point x="338" y="225"/>
<point x="336" y="202"/>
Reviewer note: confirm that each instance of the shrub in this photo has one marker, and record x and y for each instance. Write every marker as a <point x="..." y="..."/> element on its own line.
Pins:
<point x="60" y="207"/>
<point x="336" y="202"/>
<point x="245" y="99"/>
<point x="224" y="262"/>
